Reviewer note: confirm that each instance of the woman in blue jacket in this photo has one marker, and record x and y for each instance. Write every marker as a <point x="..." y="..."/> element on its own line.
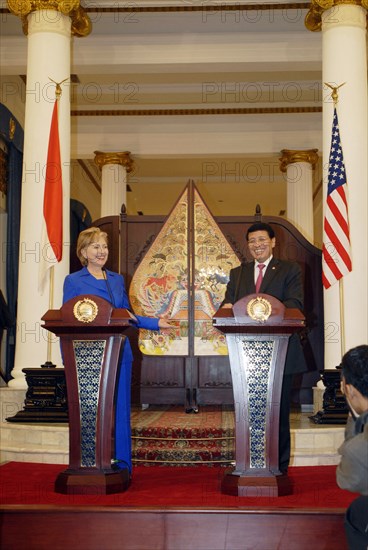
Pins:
<point x="94" y="279"/>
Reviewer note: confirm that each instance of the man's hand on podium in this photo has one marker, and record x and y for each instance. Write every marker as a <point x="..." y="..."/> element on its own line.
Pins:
<point x="165" y="324"/>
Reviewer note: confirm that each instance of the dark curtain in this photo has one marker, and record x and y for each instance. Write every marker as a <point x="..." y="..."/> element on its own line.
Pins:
<point x="80" y="219"/>
<point x="15" y="160"/>
<point x="13" y="135"/>
<point x="6" y="321"/>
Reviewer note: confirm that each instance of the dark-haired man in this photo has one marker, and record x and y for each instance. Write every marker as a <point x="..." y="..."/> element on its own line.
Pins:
<point x="283" y="280"/>
<point x="352" y="472"/>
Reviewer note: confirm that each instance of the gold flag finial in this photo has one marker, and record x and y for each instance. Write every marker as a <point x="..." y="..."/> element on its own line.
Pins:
<point x="58" y="90"/>
<point x="334" y="94"/>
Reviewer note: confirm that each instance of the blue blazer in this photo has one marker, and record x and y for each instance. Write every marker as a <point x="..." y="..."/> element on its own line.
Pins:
<point x="111" y="289"/>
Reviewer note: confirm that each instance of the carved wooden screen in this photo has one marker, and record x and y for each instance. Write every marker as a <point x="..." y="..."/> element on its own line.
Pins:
<point x="190" y="377"/>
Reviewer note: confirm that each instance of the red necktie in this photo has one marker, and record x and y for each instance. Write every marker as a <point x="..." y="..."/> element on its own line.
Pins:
<point x="260" y="277"/>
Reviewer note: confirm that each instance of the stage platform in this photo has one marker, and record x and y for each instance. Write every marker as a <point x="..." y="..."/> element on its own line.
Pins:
<point x="88" y="528"/>
<point x="175" y="501"/>
<point x="170" y="508"/>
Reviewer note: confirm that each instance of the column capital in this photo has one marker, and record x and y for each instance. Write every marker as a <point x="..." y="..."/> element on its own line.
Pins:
<point x="124" y="159"/>
<point x="81" y="23"/>
<point x="291" y="156"/>
<point x="313" y="19"/>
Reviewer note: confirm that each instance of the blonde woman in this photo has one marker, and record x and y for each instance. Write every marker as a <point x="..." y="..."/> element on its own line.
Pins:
<point x="94" y="279"/>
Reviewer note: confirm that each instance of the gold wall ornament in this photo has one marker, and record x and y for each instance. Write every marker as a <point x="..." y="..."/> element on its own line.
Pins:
<point x="24" y="7"/>
<point x="124" y="159"/>
<point x="81" y="23"/>
<point x="291" y="156"/>
<point x="85" y="310"/>
<point x="12" y="127"/>
<point x="68" y="6"/>
<point x="313" y="19"/>
<point x="20" y="7"/>
<point x="324" y="4"/>
<point x="259" y="309"/>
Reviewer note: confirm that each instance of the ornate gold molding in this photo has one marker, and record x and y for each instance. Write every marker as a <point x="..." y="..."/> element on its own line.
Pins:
<point x="313" y="19"/>
<point x="124" y="159"/>
<point x="12" y="128"/>
<point x="192" y="112"/>
<point x="211" y="6"/>
<point x="291" y="156"/>
<point x="81" y="23"/>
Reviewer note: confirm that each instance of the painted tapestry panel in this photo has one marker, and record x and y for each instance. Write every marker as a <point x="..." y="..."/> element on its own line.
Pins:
<point x="160" y="284"/>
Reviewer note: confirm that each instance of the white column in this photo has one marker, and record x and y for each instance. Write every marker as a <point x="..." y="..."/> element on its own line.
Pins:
<point x="114" y="168"/>
<point x="49" y="35"/>
<point x="299" y="166"/>
<point x="345" y="61"/>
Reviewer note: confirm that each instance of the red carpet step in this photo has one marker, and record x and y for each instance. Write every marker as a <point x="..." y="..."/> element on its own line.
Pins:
<point x="314" y="487"/>
<point x="167" y="508"/>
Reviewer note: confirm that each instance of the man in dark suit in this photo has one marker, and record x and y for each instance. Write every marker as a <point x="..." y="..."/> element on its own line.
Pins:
<point x="283" y="280"/>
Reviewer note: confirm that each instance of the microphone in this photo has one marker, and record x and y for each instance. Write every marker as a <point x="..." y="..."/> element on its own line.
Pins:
<point x="108" y="287"/>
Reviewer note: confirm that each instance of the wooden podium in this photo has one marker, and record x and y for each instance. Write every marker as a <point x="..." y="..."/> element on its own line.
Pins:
<point x="90" y="332"/>
<point x="257" y="330"/>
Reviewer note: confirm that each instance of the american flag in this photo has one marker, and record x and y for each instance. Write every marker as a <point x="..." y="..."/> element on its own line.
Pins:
<point x="336" y="255"/>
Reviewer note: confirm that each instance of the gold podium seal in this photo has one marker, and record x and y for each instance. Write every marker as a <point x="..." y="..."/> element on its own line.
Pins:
<point x="259" y="309"/>
<point x="85" y="310"/>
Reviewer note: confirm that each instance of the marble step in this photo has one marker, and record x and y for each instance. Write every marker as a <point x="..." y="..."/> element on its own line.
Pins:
<point x="312" y="445"/>
<point x="44" y="443"/>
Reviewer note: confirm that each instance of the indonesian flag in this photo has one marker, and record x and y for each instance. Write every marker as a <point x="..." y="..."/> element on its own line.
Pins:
<point x="52" y="227"/>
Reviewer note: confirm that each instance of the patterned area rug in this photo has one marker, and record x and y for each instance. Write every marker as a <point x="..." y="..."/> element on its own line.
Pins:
<point x="167" y="435"/>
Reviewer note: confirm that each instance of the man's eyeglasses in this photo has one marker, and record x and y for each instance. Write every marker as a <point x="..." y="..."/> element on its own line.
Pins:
<point x="261" y="240"/>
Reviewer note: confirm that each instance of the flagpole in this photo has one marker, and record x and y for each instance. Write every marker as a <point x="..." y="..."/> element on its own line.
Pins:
<point x="342" y="321"/>
<point x="49" y="362"/>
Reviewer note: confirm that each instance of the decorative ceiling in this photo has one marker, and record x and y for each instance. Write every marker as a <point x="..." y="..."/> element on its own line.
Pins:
<point x="211" y="91"/>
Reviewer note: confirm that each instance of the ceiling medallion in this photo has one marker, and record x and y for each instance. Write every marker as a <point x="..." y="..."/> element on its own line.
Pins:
<point x="259" y="309"/>
<point x="85" y="310"/>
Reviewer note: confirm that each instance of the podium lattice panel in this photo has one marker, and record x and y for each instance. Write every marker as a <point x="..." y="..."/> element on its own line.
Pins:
<point x="258" y="369"/>
<point x="89" y="359"/>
